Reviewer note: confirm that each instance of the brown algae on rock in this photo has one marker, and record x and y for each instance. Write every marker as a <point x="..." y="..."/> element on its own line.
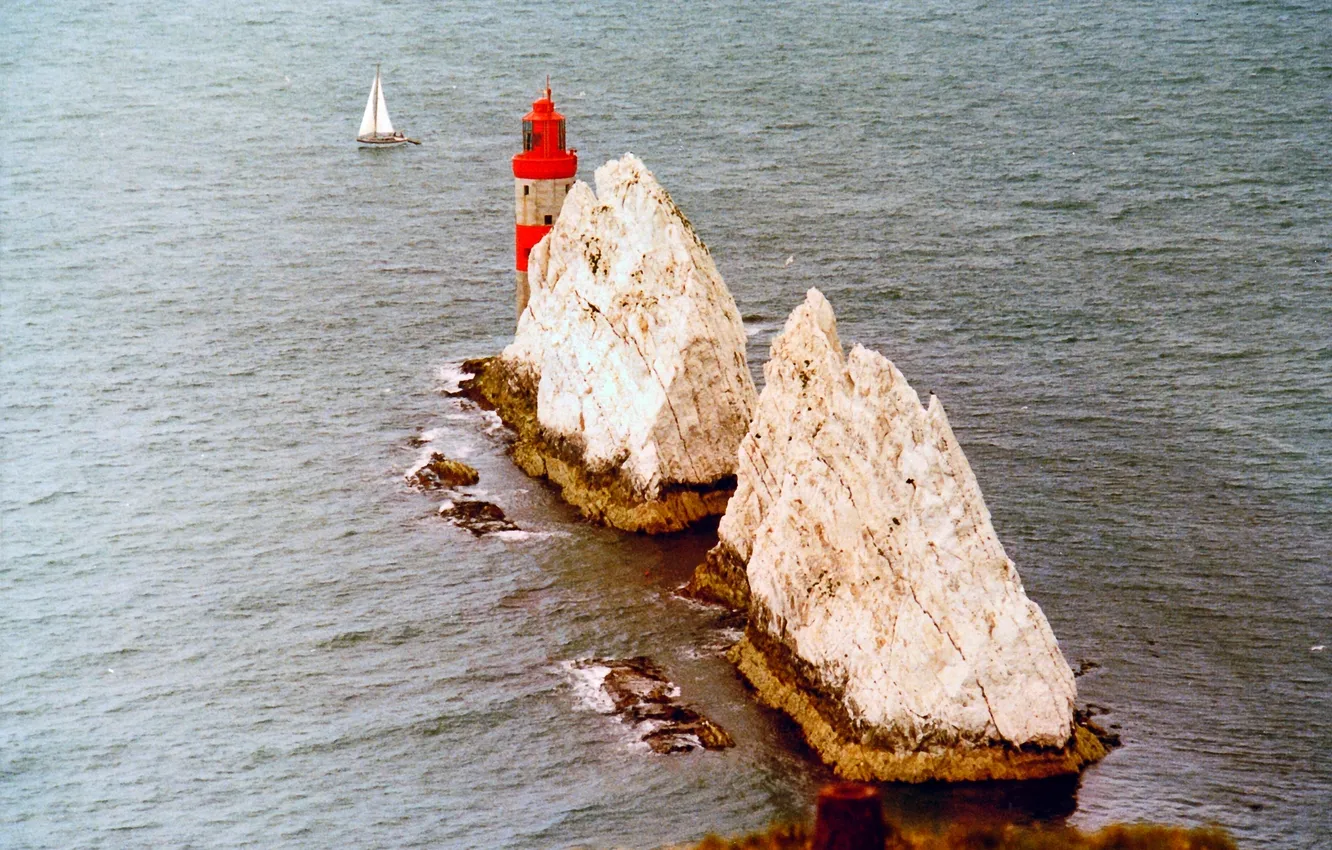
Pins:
<point x="437" y="472"/>
<point x="607" y="494"/>
<point x="856" y="755"/>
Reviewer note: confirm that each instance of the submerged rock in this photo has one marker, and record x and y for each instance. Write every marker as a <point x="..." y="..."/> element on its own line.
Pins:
<point x="476" y="516"/>
<point x="884" y="615"/>
<point x="626" y="381"/>
<point x="639" y="692"/>
<point x="437" y="471"/>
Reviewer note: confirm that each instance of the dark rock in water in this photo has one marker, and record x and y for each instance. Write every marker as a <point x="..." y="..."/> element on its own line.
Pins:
<point x="438" y="471"/>
<point x="1108" y="737"/>
<point x="643" y="696"/>
<point x="1085" y="666"/>
<point x="476" y="516"/>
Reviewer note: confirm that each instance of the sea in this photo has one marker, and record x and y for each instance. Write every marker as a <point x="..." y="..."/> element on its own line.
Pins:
<point x="1100" y="233"/>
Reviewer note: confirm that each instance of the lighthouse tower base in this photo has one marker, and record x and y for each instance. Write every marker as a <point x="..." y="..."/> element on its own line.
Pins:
<point x="522" y="293"/>
<point x="537" y="204"/>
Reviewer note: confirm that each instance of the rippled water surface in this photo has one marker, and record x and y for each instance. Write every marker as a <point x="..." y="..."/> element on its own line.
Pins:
<point x="1099" y="232"/>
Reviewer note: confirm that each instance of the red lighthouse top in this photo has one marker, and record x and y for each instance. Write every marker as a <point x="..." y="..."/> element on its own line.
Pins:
<point x="544" y="156"/>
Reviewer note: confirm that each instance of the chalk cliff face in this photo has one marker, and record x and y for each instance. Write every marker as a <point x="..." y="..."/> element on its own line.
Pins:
<point x="884" y="615"/>
<point x="626" y="381"/>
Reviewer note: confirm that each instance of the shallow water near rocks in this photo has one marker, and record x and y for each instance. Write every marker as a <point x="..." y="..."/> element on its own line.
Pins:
<point x="1099" y="233"/>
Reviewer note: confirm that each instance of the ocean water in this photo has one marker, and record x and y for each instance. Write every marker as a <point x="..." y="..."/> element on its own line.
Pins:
<point x="1099" y="232"/>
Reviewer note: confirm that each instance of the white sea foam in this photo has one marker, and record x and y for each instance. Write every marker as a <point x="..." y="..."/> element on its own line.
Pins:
<point x="493" y="422"/>
<point x="697" y="604"/>
<point x="587" y="681"/>
<point x="450" y="376"/>
<point x="717" y="643"/>
<point x="417" y="467"/>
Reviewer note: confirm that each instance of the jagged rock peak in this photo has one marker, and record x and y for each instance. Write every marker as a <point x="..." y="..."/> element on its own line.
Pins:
<point x="631" y="357"/>
<point x="884" y="614"/>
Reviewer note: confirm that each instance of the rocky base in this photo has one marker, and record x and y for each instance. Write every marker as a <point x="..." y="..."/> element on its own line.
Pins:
<point x="774" y="673"/>
<point x="1010" y="836"/>
<point x="476" y="516"/>
<point x="643" y="697"/>
<point x="437" y="472"/>
<point x="720" y="579"/>
<point x="605" y="496"/>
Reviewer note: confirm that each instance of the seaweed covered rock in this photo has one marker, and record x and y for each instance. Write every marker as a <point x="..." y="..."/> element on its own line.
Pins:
<point x="438" y="471"/>
<point x="884" y="615"/>
<point x="626" y="382"/>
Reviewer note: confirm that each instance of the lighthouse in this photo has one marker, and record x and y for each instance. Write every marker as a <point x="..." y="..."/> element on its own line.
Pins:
<point x="542" y="175"/>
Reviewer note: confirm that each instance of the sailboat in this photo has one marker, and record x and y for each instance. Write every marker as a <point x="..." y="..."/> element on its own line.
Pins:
<point x="376" y="128"/>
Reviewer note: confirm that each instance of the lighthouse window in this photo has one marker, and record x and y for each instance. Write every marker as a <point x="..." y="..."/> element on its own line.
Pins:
<point x="561" y="135"/>
<point x="527" y="135"/>
<point x="527" y="189"/>
<point x="548" y="220"/>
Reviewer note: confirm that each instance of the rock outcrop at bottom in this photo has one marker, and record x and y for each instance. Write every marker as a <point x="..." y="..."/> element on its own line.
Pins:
<point x="605" y="495"/>
<point x="642" y="696"/>
<point x="773" y="673"/>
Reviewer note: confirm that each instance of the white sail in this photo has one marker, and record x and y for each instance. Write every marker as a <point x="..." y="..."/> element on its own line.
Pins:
<point x="385" y="127"/>
<point x="375" y="121"/>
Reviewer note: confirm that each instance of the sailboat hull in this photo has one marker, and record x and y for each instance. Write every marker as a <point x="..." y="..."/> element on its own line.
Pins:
<point x="382" y="141"/>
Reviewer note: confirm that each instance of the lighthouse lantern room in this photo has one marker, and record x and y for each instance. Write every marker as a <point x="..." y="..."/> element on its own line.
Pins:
<point x="542" y="175"/>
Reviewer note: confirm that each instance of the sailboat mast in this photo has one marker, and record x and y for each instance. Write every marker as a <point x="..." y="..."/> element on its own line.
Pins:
<point x="375" y="131"/>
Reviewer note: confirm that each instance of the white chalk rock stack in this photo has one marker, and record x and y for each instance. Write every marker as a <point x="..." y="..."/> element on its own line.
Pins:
<point x="631" y="353"/>
<point x="884" y="615"/>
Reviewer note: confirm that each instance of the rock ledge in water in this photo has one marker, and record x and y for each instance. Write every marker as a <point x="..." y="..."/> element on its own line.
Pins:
<point x="884" y="615"/>
<point x="476" y="516"/>
<point x="626" y="382"/>
<point x="438" y="471"/>
<point x="642" y="696"/>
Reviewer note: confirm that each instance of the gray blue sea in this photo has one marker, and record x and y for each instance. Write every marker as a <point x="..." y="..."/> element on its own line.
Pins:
<point x="1101" y="233"/>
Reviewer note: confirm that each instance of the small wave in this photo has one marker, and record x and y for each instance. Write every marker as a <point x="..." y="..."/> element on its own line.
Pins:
<point x="346" y="639"/>
<point x="520" y="536"/>
<point x="48" y="497"/>
<point x="1057" y="204"/>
